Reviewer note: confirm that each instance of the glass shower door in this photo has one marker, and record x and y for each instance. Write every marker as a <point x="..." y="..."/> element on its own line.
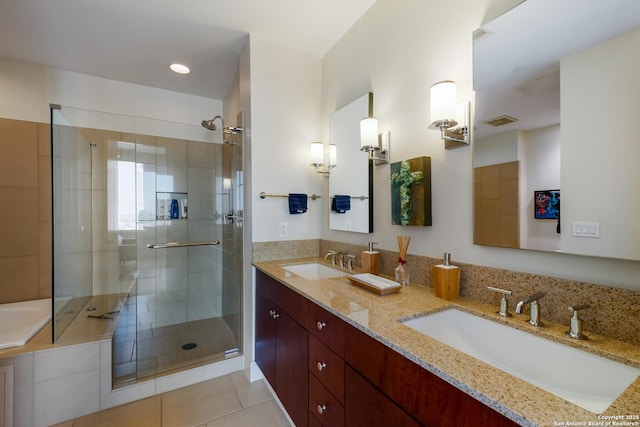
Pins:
<point x="185" y="292"/>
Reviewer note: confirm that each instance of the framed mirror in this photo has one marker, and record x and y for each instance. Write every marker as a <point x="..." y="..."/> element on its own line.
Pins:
<point x="557" y="101"/>
<point x="352" y="179"/>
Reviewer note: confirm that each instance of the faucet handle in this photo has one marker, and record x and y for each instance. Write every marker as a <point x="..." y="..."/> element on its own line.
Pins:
<point x="331" y="254"/>
<point x="575" y="324"/>
<point x="504" y="305"/>
<point x="350" y="259"/>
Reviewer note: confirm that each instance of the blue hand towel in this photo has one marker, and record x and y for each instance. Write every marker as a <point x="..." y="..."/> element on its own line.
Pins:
<point x="297" y="203"/>
<point x="341" y="203"/>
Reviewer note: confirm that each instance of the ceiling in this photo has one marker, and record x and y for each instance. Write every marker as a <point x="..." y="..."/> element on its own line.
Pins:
<point x="135" y="41"/>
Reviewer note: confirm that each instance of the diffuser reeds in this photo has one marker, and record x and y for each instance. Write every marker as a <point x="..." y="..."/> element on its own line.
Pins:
<point x="402" y="275"/>
<point x="403" y="247"/>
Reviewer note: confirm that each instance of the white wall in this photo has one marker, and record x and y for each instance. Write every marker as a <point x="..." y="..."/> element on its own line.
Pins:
<point x="541" y="167"/>
<point x="607" y="74"/>
<point x="496" y="149"/>
<point x="397" y="51"/>
<point x="285" y="111"/>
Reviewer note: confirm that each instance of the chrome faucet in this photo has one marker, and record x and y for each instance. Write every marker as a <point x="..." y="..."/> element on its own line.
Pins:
<point x="504" y="304"/>
<point x="331" y="254"/>
<point x="575" y="325"/>
<point x="534" y="314"/>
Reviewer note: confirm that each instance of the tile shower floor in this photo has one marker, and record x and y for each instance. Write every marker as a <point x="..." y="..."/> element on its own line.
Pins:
<point x="160" y="350"/>
<point x="230" y="401"/>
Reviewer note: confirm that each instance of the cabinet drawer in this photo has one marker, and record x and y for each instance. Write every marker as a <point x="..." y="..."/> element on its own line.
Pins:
<point x="327" y="367"/>
<point x="290" y="301"/>
<point x="325" y="408"/>
<point x="327" y="327"/>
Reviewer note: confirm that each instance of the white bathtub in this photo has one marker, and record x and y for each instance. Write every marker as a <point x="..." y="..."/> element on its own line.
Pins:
<point x="19" y="321"/>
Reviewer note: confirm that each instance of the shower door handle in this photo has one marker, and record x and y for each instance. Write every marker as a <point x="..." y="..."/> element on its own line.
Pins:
<point x="181" y="244"/>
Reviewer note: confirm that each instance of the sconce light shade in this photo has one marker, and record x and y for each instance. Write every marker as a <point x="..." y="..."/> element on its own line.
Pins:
<point x="369" y="134"/>
<point x="443" y="103"/>
<point x="317" y="153"/>
<point x="370" y="141"/>
<point x="333" y="154"/>
<point x="450" y="118"/>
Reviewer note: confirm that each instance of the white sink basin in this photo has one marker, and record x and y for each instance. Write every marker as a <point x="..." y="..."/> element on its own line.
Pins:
<point x="582" y="378"/>
<point x="314" y="271"/>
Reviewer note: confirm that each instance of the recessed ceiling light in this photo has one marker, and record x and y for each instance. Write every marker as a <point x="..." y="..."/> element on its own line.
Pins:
<point x="179" y="68"/>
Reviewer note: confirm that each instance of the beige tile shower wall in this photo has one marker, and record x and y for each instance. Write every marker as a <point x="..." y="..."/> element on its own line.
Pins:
<point x="612" y="312"/>
<point x="25" y="230"/>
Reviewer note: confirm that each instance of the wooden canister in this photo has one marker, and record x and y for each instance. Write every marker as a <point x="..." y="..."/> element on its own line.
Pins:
<point x="446" y="281"/>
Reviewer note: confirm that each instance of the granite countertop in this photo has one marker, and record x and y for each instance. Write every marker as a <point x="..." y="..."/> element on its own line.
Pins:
<point x="518" y="400"/>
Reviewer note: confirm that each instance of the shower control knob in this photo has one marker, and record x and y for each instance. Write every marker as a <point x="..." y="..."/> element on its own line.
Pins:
<point x="322" y="409"/>
<point x="321" y="366"/>
<point x="321" y="325"/>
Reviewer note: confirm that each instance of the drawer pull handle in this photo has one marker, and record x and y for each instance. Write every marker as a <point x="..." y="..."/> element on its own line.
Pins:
<point x="321" y="366"/>
<point x="321" y="325"/>
<point x="322" y="409"/>
<point x="273" y="314"/>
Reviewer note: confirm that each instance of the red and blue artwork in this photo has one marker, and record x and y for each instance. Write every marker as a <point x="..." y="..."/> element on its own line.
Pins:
<point x="547" y="204"/>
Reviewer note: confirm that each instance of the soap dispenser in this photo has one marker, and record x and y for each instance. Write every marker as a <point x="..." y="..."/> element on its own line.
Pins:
<point x="446" y="279"/>
<point x="371" y="260"/>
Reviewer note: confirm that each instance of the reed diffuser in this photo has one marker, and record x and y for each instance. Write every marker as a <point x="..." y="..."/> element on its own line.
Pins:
<point x="401" y="272"/>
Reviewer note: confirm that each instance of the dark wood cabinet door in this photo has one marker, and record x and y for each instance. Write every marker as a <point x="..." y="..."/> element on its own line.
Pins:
<point x="430" y="399"/>
<point x="266" y="338"/>
<point x="365" y="405"/>
<point x="292" y="377"/>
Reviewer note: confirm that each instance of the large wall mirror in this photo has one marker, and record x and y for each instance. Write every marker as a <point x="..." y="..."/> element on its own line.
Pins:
<point x="557" y="128"/>
<point x="352" y="180"/>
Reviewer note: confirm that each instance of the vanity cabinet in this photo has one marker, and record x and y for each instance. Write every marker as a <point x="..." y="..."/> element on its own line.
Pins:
<point x="282" y="344"/>
<point x="327" y="372"/>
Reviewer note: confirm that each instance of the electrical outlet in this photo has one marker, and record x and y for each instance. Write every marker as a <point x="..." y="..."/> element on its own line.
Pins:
<point x="282" y="229"/>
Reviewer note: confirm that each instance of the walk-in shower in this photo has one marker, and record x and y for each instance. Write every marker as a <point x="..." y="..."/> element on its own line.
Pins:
<point x="147" y="240"/>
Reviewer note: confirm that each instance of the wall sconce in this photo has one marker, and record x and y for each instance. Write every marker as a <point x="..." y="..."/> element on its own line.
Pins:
<point x="317" y="157"/>
<point x="452" y="119"/>
<point x="372" y="141"/>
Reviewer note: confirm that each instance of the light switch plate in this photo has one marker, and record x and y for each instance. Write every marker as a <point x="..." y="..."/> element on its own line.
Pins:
<point x="589" y="229"/>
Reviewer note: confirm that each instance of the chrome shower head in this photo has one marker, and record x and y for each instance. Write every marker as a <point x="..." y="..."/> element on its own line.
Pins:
<point x="208" y="124"/>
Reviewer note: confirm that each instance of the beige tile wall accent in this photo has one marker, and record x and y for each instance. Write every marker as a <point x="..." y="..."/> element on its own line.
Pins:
<point x="25" y="231"/>
<point x="612" y="314"/>
<point x="496" y="205"/>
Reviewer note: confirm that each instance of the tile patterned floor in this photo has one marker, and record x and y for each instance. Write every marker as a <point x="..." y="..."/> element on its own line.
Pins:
<point x="229" y="401"/>
<point x="145" y="353"/>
